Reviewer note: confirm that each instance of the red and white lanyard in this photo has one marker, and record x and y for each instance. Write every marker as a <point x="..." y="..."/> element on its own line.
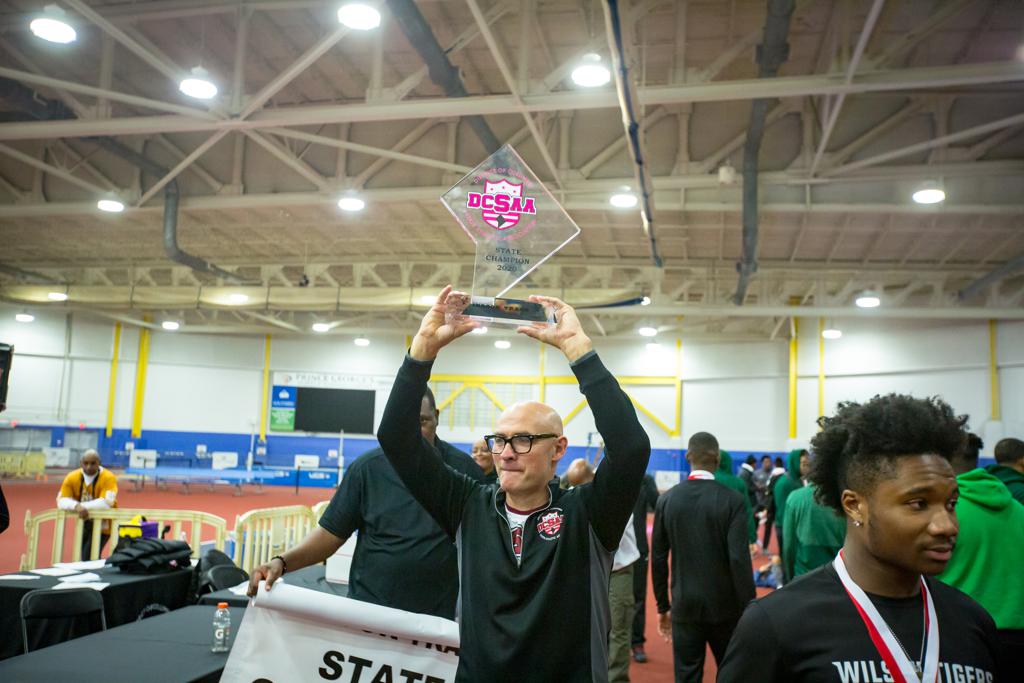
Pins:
<point x="900" y="667"/>
<point x="701" y="474"/>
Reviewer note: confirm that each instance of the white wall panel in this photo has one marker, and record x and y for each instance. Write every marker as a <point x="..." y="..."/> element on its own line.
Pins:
<point x="90" y="380"/>
<point x="34" y="390"/>
<point x="744" y="414"/>
<point x="201" y="399"/>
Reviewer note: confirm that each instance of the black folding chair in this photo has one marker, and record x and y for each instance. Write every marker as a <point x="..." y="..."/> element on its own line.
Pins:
<point x="226" y="576"/>
<point x="66" y="608"/>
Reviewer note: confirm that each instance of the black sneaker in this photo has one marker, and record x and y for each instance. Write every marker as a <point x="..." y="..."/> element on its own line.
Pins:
<point x="639" y="656"/>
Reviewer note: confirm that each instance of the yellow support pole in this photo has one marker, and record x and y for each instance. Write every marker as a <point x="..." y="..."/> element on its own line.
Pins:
<point x="490" y="394"/>
<point x="821" y="367"/>
<point x="112" y="391"/>
<point x="794" y="347"/>
<point x="993" y="371"/>
<point x="140" y="381"/>
<point x="574" y="412"/>
<point x="543" y="380"/>
<point x="679" y="389"/>
<point x="266" y="390"/>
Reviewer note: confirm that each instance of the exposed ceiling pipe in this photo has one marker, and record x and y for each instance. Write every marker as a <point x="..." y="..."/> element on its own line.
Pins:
<point x="442" y="71"/>
<point x="24" y="102"/>
<point x="981" y="284"/>
<point x="171" y="199"/>
<point x="771" y="53"/>
<point x="629" y="105"/>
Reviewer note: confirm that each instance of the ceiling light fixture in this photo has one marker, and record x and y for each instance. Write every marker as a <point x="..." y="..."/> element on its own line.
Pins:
<point x="358" y="16"/>
<point x="623" y="200"/>
<point x="832" y="332"/>
<point x="238" y="298"/>
<point x="645" y="301"/>
<point x="52" y="26"/>
<point x="868" y="299"/>
<point x="428" y="299"/>
<point x="929" y="193"/>
<point x="24" y="317"/>
<point x="57" y="296"/>
<point x="321" y="327"/>
<point x="503" y="344"/>
<point x="591" y="73"/>
<point x="647" y="331"/>
<point x="110" y="205"/>
<point x="351" y="203"/>
<point x="198" y="84"/>
<point x="170" y="325"/>
<point x="361" y="341"/>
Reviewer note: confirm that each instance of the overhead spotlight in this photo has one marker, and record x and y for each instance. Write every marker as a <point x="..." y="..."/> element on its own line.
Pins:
<point x="238" y="298"/>
<point x="929" y="193"/>
<point x="361" y="341"/>
<point x="428" y="299"/>
<point x="503" y="344"/>
<point x="198" y="84"/>
<point x="591" y="73"/>
<point x="647" y="331"/>
<point x="170" y="325"/>
<point x="57" y="296"/>
<point x="321" y="327"/>
<point x="24" y="317"/>
<point x="726" y="174"/>
<point x="52" y="26"/>
<point x="479" y="330"/>
<point x="832" y="333"/>
<point x="351" y="203"/>
<point x="623" y="200"/>
<point x="110" y="205"/>
<point x="868" y="299"/>
<point x="358" y="16"/>
<point x="646" y="301"/>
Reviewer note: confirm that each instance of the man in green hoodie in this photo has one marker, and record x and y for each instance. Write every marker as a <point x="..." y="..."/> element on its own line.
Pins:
<point x="791" y="481"/>
<point x="1009" y="466"/>
<point x="814" y="534"/>
<point x="724" y="475"/>
<point x="989" y="552"/>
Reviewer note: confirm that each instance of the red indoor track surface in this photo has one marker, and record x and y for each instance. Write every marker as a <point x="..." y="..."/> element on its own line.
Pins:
<point x="36" y="496"/>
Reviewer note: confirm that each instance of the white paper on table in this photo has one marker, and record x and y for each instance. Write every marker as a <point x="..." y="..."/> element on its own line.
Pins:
<point x="291" y="633"/>
<point x="83" y="566"/>
<point x="88" y="577"/>
<point x="243" y="588"/>
<point x="95" y="585"/>
<point x="17" y="577"/>
<point x="53" y="571"/>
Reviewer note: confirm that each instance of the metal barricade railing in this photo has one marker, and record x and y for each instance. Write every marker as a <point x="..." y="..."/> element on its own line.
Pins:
<point x="194" y="519"/>
<point x="261" y="534"/>
<point x="22" y="464"/>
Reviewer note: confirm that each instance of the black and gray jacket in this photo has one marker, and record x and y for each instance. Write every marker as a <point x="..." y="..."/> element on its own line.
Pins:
<point x="545" y="618"/>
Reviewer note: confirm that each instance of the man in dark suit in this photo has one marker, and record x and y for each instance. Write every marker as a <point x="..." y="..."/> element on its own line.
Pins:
<point x="644" y="504"/>
<point x="703" y="524"/>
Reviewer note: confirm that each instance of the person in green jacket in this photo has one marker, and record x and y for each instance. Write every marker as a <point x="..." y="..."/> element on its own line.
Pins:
<point x="724" y="475"/>
<point x="989" y="554"/>
<point x="796" y="463"/>
<point x="814" y="534"/>
<point x="1009" y="467"/>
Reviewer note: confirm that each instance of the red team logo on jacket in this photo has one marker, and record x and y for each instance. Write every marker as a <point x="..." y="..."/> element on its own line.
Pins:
<point x="501" y="203"/>
<point x="550" y="524"/>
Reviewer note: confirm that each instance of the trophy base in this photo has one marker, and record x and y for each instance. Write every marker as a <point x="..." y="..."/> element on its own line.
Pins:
<point x="513" y="312"/>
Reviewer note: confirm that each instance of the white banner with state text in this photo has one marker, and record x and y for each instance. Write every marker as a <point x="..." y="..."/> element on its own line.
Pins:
<point x="296" y="634"/>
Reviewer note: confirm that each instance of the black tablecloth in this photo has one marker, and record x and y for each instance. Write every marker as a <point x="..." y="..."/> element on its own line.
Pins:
<point x="311" y="577"/>
<point x="123" y="600"/>
<point x="168" y="648"/>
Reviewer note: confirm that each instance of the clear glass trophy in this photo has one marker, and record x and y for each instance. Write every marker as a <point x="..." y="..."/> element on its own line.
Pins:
<point x="516" y="225"/>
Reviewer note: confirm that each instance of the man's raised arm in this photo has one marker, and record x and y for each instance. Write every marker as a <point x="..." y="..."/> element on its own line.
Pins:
<point x="627" y="447"/>
<point x="439" y="489"/>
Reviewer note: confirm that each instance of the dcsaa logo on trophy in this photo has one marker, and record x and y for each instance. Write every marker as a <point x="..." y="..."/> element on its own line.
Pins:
<point x="501" y="203"/>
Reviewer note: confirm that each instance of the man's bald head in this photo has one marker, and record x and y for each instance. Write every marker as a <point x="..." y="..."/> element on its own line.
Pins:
<point x="542" y="417"/>
<point x="579" y="472"/>
<point x="90" y="462"/>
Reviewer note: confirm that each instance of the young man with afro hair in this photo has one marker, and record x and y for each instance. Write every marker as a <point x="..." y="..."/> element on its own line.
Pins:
<point x="876" y="613"/>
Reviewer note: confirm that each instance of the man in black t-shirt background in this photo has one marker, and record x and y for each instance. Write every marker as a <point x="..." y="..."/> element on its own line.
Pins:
<point x="402" y="558"/>
<point x="884" y="465"/>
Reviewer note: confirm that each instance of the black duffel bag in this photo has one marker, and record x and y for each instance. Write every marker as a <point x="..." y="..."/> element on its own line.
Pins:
<point x="151" y="556"/>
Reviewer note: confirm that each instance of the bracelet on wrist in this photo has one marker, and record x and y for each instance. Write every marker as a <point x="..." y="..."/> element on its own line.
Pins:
<point x="283" y="563"/>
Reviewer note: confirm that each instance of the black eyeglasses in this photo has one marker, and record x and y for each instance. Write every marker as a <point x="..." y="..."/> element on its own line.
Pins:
<point x="521" y="443"/>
